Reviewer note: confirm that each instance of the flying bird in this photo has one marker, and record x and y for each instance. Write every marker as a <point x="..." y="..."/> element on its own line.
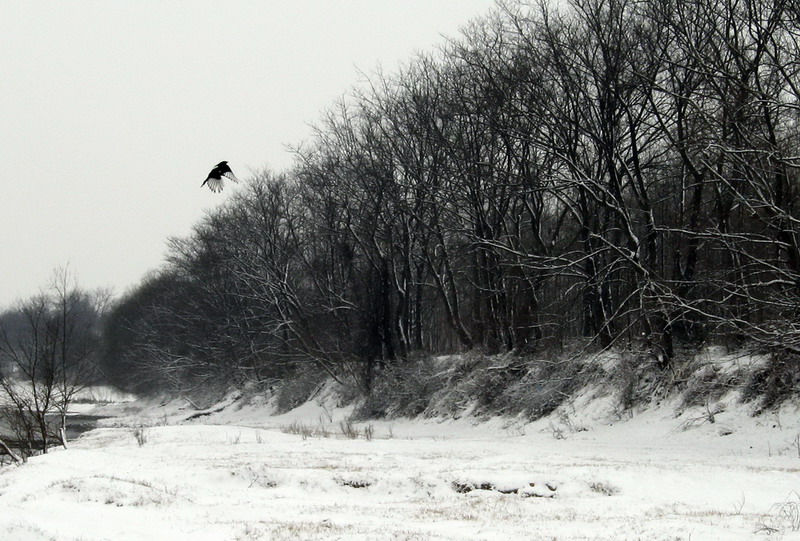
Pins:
<point x="214" y="178"/>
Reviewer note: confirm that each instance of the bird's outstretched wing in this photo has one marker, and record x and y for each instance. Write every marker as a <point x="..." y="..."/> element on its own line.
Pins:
<point x="214" y="182"/>
<point x="231" y="176"/>
<point x="225" y="170"/>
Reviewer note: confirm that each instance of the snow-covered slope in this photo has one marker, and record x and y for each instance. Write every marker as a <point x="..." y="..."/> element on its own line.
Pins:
<point x="238" y="471"/>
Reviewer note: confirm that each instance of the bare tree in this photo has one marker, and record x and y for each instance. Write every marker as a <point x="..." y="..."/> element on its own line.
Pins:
<point x="48" y="347"/>
<point x="29" y="377"/>
<point x="77" y="316"/>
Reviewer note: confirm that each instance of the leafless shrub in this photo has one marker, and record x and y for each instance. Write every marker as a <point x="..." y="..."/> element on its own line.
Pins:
<point x="354" y="483"/>
<point x="369" y="432"/>
<point x="322" y="431"/>
<point x="737" y="508"/>
<point x="707" y="416"/>
<point x="305" y="431"/>
<point x="516" y="428"/>
<point x="298" y="429"/>
<point x="782" y="516"/>
<point x="348" y="429"/>
<point x="565" y="426"/>
<point x="602" y="487"/>
<point x="141" y="433"/>
<point x="256" y="480"/>
<point x="327" y="413"/>
<point x="557" y="431"/>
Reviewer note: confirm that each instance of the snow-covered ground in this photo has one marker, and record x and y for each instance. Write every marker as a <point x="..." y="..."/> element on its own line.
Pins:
<point x="238" y="473"/>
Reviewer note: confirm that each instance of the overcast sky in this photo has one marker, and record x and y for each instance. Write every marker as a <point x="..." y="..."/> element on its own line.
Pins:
<point x="112" y="114"/>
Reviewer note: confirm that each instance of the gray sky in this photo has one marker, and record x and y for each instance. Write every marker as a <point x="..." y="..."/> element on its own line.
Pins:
<point x="112" y="114"/>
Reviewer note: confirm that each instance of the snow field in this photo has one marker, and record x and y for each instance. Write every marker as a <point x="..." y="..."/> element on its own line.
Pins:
<point x="234" y="474"/>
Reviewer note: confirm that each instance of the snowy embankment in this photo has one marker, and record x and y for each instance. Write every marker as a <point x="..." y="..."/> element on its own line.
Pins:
<point x="589" y="470"/>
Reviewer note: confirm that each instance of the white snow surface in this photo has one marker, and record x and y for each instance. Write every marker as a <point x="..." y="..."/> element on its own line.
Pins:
<point x="585" y="472"/>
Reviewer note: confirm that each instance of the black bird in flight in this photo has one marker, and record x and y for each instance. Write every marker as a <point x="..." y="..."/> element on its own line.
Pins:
<point x="214" y="179"/>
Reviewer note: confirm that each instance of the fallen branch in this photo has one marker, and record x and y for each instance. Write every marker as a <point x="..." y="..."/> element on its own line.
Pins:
<point x="14" y="456"/>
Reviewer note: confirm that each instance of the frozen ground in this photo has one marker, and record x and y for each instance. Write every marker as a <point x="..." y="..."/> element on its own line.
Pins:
<point x="237" y="474"/>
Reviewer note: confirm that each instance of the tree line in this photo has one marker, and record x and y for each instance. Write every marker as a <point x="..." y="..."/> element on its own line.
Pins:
<point x="598" y="170"/>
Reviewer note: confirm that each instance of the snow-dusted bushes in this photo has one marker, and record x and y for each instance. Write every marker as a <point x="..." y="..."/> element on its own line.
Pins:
<point x="532" y="387"/>
<point x="545" y="384"/>
<point x="708" y="383"/>
<point x="297" y="390"/>
<point x="480" y="384"/>
<point x="637" y="377"/>
<point x="774" y="381"/>
<point x="404" y="389"/>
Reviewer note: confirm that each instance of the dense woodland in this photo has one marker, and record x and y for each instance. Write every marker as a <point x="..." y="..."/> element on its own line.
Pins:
<point x="594" y="170"/>
<point x="609" y="169"/>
